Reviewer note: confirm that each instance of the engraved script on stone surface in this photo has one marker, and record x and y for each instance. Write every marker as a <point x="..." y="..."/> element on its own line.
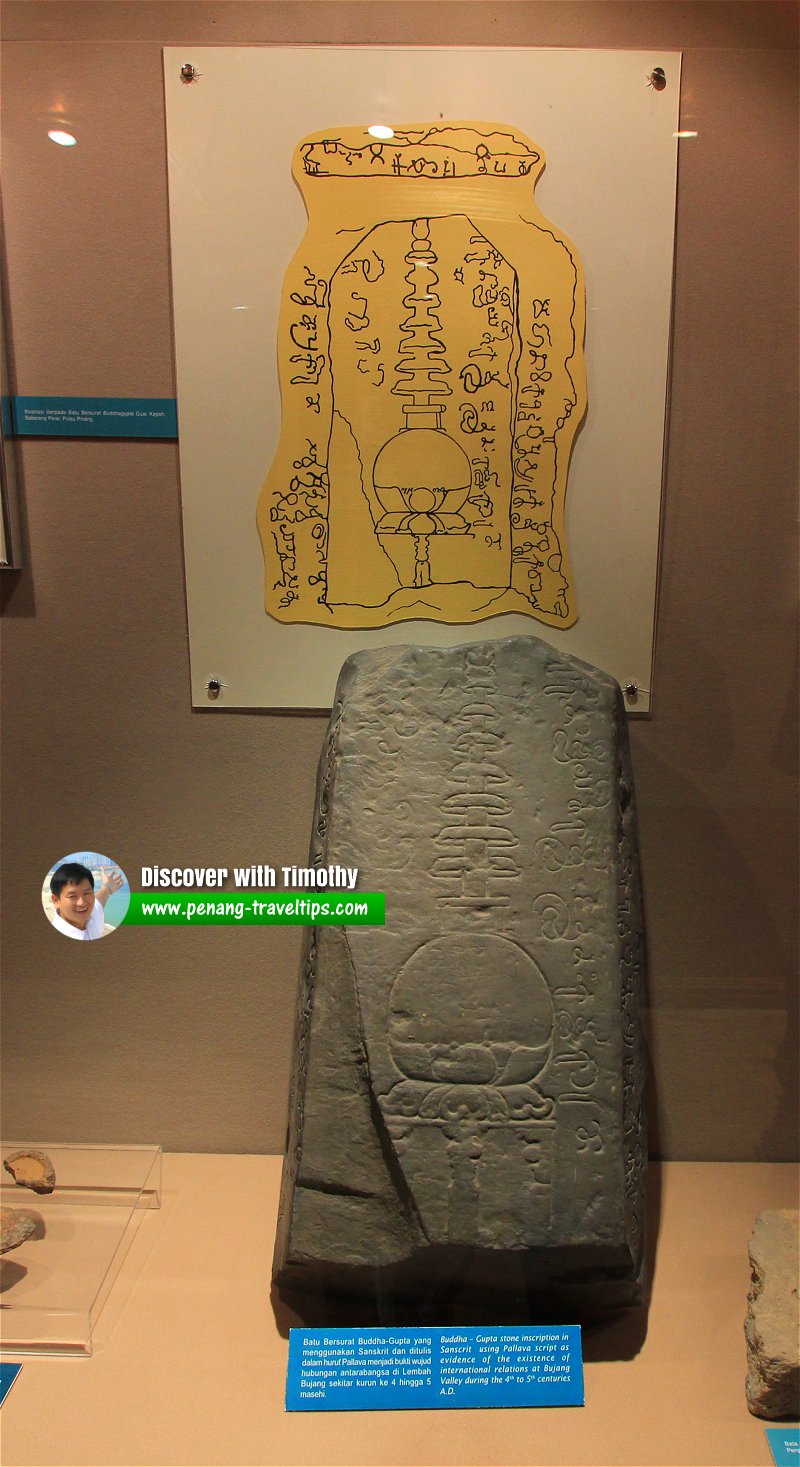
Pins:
<point x="470" y="1076"/>
<point x="432" y="379"/>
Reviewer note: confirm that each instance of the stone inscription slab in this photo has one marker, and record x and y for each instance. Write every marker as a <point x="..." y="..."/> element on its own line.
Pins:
<point x="467" y="1093"/>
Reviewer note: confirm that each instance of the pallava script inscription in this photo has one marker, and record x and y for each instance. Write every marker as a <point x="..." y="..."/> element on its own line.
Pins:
<point x="432" y="377"/>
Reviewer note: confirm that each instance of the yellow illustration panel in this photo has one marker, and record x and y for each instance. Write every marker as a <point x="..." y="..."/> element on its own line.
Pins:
<point x="432" y="379"/>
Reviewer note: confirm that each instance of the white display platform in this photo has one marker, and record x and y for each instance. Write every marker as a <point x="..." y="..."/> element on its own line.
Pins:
<point x="193" y="1370"/>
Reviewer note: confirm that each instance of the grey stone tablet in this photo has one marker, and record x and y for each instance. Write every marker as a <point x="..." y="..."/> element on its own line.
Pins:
<point x="466" y="1107"/>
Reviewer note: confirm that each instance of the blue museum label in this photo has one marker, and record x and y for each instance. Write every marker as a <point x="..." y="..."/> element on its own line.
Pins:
<point x="784" y="1444"/>
<point x="94" y="417"/>
<point x="8" y="1374"/>
<point x="433" y="1369"/>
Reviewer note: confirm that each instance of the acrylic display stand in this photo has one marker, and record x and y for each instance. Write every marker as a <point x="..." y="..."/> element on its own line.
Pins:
<point x="55" y="1284"/>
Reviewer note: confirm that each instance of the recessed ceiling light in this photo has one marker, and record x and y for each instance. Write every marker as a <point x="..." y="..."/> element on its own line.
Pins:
<point x="64" y="139"/>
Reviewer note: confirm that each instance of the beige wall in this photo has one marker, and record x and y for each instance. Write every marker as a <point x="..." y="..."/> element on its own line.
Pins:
<point x="184" y="1036"/>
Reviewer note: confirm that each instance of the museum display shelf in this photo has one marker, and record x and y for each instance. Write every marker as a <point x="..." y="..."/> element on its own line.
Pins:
<point x="193" y="1371"/>
<point x="55" y="1284"/>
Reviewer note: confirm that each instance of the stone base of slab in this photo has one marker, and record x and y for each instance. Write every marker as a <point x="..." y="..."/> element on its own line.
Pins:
<point x="430" y="1285"/>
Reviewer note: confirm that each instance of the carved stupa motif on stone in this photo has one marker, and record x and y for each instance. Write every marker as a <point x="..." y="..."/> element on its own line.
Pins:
<point x="468" y="1083"/>
<point x="432" y="381"/>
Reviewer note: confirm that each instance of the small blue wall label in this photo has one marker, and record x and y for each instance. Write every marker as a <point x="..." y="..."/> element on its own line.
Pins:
<point x="94" y="417"/>
<point x="433" y="1369"/>
<point x="8" y="1374"/>
<point x="784" y="1444"/>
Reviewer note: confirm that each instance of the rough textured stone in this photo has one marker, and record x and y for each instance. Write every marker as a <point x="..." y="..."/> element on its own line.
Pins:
<point x="32" y="1169"/>
<point x="466" y="1104"/>
<point x="15" y="1226"/>
<point x="772" y="1326"/>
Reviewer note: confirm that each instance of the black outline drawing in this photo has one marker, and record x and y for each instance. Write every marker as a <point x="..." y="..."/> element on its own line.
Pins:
<point x="432" y="386"/>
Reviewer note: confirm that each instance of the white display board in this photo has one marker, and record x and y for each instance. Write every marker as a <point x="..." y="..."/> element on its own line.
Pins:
<point x="236" y="218"/>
